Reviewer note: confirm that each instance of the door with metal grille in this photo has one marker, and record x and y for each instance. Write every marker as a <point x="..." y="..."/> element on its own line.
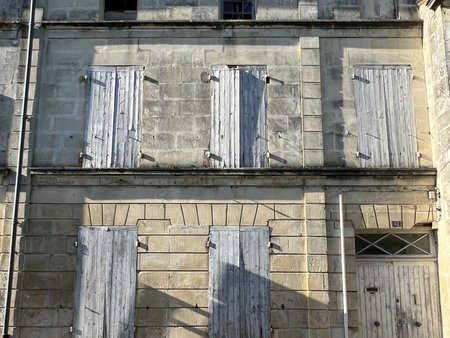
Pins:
<point x="398" y="296"/>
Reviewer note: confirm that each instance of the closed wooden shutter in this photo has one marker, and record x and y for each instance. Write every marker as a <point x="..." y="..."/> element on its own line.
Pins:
<point x="238" y="117"/>
<point x="386" y="126"/>
<point x="113" y="121"/>
<point x="239" y="282"/>
<point x="105" y="282"/>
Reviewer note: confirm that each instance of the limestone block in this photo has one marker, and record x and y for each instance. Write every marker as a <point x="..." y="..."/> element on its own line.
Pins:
<point x="288" y="263"/>
<point x="188" y="298"/>
<point x="188" y="316"/>
<point x="317" y="245"/>
<point x="289" y="318"/>
<point x="311" y="91"/>
<point x="34" y="298"/>
<point x="318" y="300"/>
<point x="191" y="280"/>
<point x="309" y="42"/>
<point x="49" y="244"/>
<point x="175" y="214"/>
<point x="289" y="299"/>
<point x="264" y="213"/>
<point x="317" y="281"/>
<point x="318" y="319"/>
<point x="154" y="244"/>
<point x="109" y="211"/>
<point x="153" y="279"/>
<point x="96" y="213"/>
<point x="153" y="227"/>
<point x="315" y="211"/>
<point x="151" y="317"/>
<point x="382" y="215"/>
<point x="290" y="281"/>
<point x="290" y="333"/>
<point x="313" y="158"/>
<point x="188" y="244"/>
<point x="219" y="214"/>
<point x="317" y="263"/>
<point x="286" y="227"/>
<point x="310" y="57"/>
<point x="234" y="214"/>
<point x="204" y="214"/>
<point x="65" y="317"/>
<point x="151" y="332"/>
<point x="39" y="317"/>
<point x="152" y="298"/>
<point x="288" y="245"/>
<point x="187" y="332"/>
<point x="316" y="228"/>
<point x="60" y="298"/>
<point x="135" y="213"/>
<point x="335" y="282"/>
<point x="67" y="280"/>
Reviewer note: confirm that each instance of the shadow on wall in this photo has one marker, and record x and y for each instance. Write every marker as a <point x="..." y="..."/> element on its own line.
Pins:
<point x="6" y="113"/>
<point x="234" y="311"/>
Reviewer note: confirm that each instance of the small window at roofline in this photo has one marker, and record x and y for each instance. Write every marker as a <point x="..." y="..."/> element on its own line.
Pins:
<point x="120" y="5"/>
<point x="238" y="10"/>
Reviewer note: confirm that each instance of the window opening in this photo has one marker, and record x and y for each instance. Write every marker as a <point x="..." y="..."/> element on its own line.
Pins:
<point x="120" y="5"/>
<point x="393" y="244"/>
<point x="238" y="10"/>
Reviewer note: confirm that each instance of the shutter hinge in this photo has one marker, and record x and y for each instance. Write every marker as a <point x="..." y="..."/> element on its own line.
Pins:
<point x="270" y="245"/>
<point x="75" y="244"/>
<point x="207" y="243"/>
<point x="137" y="244"/>
<point x="353" y="76"/>
<point x="357" y="154"/>
<point x="419" y="155"/>
<point x="71" y="329"/>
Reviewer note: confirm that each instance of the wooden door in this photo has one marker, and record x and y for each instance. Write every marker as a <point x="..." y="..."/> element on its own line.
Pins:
<point x="105" y="282"/>
<point x="239" y="284"/>
<point x="399" y="299"/>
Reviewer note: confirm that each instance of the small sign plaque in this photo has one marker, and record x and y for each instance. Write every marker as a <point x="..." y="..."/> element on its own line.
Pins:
<point x="396" y="224"/>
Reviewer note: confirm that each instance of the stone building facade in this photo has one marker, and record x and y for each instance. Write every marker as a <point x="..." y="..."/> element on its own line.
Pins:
<point x="183" y="162"/>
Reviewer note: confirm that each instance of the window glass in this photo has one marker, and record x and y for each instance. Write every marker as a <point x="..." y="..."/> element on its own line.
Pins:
<point x="238" y="10"/>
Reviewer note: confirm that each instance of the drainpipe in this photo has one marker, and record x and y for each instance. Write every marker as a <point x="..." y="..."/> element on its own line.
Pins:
<point x="18" y="181"/>
<point x="344" y="279"/>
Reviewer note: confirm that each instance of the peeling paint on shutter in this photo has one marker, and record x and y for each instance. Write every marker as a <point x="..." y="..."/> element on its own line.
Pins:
<point x="113" y="127"/>
<point x="253" y="117"/>
<point x="99" y="119"/>
<point x="238" y="117"/>
<point x="105" y="282"/>
<point x="387" y="133"/>
<point x="239" y="282"/>
<point x="128" y="120"/>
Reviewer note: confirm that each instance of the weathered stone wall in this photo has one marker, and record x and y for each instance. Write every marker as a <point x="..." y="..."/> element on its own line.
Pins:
<point x="192" y="10"/>
<point x="176" y="103"/>
<point x="11" y="10"/>
<point x="368" y="9"/>
<point x="173" y="216"/>
<point x="437" y="61"/>
<point x="173" y="225"/>
<point x="338" y="59"/>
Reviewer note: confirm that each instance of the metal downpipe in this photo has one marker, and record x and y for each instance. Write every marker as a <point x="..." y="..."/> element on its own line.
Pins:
<point x="344" y="279"/>
<point x="18" y="180"/>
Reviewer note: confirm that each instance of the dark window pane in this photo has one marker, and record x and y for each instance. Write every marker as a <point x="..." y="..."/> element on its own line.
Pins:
<point x="424" y="244"/>
<point x="120" y="5"/>
<point x="237" y="10"/>
<point x="411" y="251"/>
<point x="373" y="251"/>
<point x="410" y="237"/>
<point x="392" y="244"/>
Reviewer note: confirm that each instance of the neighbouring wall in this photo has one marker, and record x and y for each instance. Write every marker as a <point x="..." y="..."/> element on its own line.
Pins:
<point x="437" y="66"/>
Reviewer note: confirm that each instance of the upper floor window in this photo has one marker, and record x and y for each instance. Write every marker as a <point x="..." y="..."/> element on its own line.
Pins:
<point x="238" y="117"/>
<point x="238" y="10"/>
<point x="113" y="117"/>
<point x="385" y="114"/>
<point x="120" y="5"/>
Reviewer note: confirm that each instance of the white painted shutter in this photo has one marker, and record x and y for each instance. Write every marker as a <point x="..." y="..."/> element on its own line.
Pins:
<point x="128" y="117"/>
<point x="100" y="116"/>
<point x="113" y="121"/>
<point x="239" y="282"/>
<point x="238" y="117"/>
<point x="387" y="133"/>
<point x="105" y="282"/>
